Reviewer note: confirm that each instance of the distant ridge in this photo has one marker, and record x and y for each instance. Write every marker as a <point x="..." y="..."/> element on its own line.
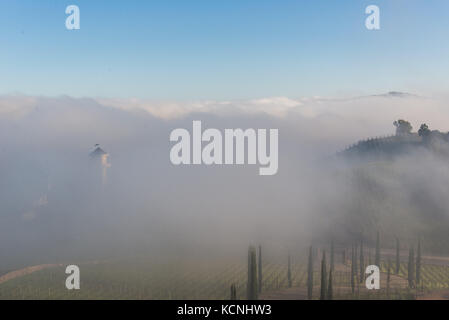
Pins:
<point x="395" y="94"/>
<point x="390" y="94"/>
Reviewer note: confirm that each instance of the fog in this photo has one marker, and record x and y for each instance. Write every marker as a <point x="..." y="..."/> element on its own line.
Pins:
<point x="54" y="205"/>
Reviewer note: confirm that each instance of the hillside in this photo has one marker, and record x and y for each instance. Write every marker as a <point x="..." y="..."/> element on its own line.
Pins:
<point x="396" y="184"/>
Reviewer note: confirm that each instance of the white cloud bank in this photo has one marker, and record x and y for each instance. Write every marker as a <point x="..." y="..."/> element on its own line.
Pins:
<point x="43" y="155"/>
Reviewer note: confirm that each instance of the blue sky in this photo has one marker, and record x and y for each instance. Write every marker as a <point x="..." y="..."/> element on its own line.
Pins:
<point x="223" y="49"/>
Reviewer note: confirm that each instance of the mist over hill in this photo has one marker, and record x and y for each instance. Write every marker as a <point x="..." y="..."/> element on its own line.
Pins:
<point x="54" y="205"/>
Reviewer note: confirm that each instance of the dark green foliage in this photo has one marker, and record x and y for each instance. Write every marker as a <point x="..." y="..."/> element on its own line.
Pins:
<point x="330" y="290"/>
<point x="424" y="130"/>
<point x="362" y="263"/>
<point x="426" y="135"/>
<point x="418" y="263"/>
<point x="403" y="127"/>
<point x="289" y="273"/>
<point x="381" y="146"/>
<point x="398" y="258"/>
<point x="259" y="270"/>
<point x="377" y="256"/>
<point x="233" y="292"/>
<point x="310" y="274"/>
<point x="411" y="268"/>
<point x="323" y="277"/>
<point x="251" y="288"/>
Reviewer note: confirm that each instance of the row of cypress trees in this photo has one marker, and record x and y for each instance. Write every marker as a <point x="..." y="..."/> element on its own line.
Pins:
<point x="358" y="267"/>
<point x="413" y="265"/>
<point x="326" y="284"/>
<point x="254" y="283"/>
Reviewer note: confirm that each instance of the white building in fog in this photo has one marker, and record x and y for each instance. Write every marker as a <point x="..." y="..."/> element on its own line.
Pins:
<point x="101" y="157"/>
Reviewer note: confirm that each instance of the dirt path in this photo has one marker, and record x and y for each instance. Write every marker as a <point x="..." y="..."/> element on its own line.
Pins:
<point x="28" y="270"/>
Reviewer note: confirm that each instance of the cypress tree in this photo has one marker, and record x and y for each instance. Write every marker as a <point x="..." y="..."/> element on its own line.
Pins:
<point x="398" y="258"/>
<point x="332" y="255"/>
<point x="251" y="289"/>
<point x="310" y="274"/>
<point x="330" y="289"/>
<point x="418" y="263"/>
<point x="233" y="292"/>
<point x="377" y="257"/>
<point x="388" y="277"/>
<point x="411" y="268"/>
<point x="289" y="273"/>
<point x="352" y="270"/>
<point x="259" y="270"/>
<point x="356" y="267"/>
<point x="362" y="263"/>
<point x="323" y="277"/>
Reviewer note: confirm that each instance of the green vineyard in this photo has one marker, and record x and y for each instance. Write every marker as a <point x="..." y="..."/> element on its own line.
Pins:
<point x="146" y="279"/>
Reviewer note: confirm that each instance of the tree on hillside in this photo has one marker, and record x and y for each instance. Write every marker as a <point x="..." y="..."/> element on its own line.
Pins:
<point x="398" y="258"/>
<point x="323" y="277"/>
<point x="310" y="275"/>
<point x="403" y="127"/>
<point x="377" y="257"/>
<point x="424" y="130"/>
